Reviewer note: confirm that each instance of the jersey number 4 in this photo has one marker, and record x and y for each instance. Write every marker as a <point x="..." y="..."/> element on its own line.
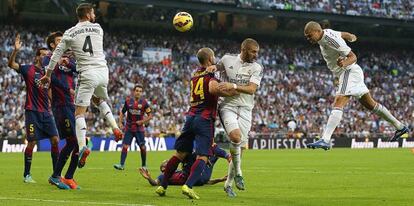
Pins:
<point x="198" y="90"/>
<point x="87" y="45"/>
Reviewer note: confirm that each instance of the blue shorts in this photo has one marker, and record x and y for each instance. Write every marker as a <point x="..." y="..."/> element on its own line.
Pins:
<point x="139" y="136"/>
<point x="39" y="125"/>
<point x="65" y="121"/>
<point x="200" y="130"/>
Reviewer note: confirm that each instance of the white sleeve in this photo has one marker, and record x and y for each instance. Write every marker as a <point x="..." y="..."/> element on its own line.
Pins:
<point x="336" y="42"/>
<point x="257" y="75"/>
<point x="60" y="49"/>
<point x="220" y="64"/>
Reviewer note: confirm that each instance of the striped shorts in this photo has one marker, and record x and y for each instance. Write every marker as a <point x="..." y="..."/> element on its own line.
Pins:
<point x="351" y="82"/>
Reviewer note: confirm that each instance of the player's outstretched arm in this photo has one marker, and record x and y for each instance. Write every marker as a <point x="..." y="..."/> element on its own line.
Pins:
<point x="148" y="177"/>
<point x="215" y="181"/>
<point x="348" y="36"/>
<point x="248" y="89"/>
<point x="12" y="60"/>
<point x="213" y="88"/>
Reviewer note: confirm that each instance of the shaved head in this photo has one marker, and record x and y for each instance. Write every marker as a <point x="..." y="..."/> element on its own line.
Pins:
<point x="204" y="55"/>
<point x="313" y="32"/>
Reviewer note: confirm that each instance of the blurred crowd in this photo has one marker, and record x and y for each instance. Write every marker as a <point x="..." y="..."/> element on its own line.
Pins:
<point x="294" y="98"/>
<point x="398" y="9"/>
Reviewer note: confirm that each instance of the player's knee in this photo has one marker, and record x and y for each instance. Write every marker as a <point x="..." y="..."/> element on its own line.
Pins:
<point x="31" y="144"/>
<point x="54" y="141"/>
<point x="142" y="148"/>
<point x="181" y="155"/>
<point x="235" y="136"/>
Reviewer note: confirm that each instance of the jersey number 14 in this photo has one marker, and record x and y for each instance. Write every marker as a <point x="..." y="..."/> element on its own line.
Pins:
<point x="198" y="90"/>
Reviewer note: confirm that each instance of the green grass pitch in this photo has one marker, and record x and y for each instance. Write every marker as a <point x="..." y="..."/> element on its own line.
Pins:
<point x="273" y="177"/>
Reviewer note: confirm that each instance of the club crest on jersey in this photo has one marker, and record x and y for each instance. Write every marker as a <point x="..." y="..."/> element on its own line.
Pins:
<point x="64" y="68"/>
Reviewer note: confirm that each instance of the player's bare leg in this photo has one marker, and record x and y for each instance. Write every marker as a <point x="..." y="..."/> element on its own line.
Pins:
<point x="333" y="121"/>
<point x="105" y="111"/>
<point x="368" y="102"/>
<point x="81" y="134"/>
<point x="235" y="151"/>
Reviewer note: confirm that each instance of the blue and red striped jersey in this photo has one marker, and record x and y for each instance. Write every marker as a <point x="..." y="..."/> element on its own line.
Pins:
<point x="36" y="97"/>
<point x="202" y="102"/>
<point x="136" y="109"/>
<point x="62" y="81"/>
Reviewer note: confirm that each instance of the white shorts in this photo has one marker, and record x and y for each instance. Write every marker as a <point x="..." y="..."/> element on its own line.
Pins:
<point x="236" y="118"/>
<point x="91" y="82"/>
<point x="351" y="82"/>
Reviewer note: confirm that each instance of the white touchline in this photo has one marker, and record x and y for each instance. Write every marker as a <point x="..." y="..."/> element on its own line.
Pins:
<point x="69" y="201"/>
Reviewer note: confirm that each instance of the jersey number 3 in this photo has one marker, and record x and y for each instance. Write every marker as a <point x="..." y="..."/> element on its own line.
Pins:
<point x="87" y="45"/>
<point x="198" y="90"/>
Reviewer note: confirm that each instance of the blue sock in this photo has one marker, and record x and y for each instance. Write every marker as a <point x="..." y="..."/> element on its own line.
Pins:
<point x="28" y="153"/>
<point x="123" y="155"/>
<point x="196" y="171"/>
<point x="73" y="160"/>
<point x="63" y="157"/>
<point x="143" y="156"/>
<point x="217" y="151"/>
<point x="54" y="153"/>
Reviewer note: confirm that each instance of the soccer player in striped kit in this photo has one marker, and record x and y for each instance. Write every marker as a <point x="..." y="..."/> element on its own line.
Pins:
<point x="39" y="121"/>
<point x="342" y="62"/>
<point x="63" y="108"/>
<point x="138" y="114"/>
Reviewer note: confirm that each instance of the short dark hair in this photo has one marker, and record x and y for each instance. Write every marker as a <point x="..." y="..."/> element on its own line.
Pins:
<point x="249" y="41"/>
<point x="39" y="50"/>
<point x="138" y="86"/>
<point x="83" y="9"/>
<point x="51" y="38"/>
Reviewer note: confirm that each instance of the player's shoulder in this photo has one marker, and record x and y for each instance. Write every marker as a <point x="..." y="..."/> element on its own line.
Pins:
<point x="229" y="56"/>
<point x="257" y="66"/>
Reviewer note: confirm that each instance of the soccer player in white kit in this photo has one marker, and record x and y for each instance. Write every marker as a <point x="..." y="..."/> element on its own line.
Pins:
<point x="241" y="74"/>
<point x="342" y="62"/>
<point x="85" y="39"/>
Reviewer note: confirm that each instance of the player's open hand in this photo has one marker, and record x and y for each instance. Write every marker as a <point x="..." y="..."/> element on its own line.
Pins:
<point x="145" y="173"/>
<point x="44" y="81"/>
<point x="64" y="61"/>
<point x="340" y="62"/>
<point x="17" y="43"/>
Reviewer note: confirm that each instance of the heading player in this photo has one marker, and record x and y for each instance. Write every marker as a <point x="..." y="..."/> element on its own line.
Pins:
<point x="136" y="107"/>
<point x="39" y="121"/>
<point x="342" y="62"/>
<point x="199" y="125"/>
<point x="85" y="39"/>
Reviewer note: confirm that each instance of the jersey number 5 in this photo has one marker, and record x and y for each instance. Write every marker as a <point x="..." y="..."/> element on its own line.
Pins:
<point x="87" y="45"/>
<point x="198" y="90"/>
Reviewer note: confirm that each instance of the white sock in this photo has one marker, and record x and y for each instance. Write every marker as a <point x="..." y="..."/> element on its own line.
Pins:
<point x="107" y="114"/>
<point x="333" y="121"/>
<point x="385" y="114"/>
<point x="81" y="131"/>
<point x="235" y="151"/>
<point x="230" y="175"/>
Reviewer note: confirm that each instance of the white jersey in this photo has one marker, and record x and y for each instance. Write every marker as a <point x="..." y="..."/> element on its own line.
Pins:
<point x="85" y="39"/>
<point x="333" y="46"/>
<point x="240" y="73"/>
